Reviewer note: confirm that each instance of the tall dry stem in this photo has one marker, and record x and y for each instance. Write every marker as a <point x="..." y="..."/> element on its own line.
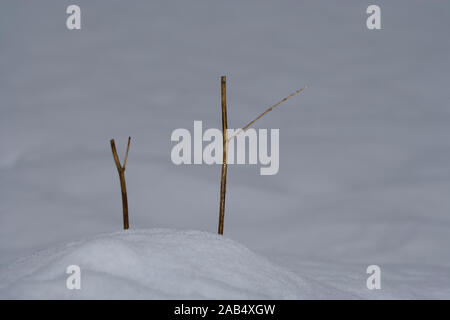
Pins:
<point x="223" y="179"/>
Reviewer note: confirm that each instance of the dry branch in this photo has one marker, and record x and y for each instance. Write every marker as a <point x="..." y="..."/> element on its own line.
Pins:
<point x="123" y="186"/>
<point x="267" y="111"/>
<point x="223" y="180"/>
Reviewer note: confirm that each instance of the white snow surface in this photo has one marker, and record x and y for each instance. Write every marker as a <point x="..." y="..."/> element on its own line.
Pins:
<point x="364" y="152"/>
<point x="152" y="264"/>
<point x="174" y="264"/>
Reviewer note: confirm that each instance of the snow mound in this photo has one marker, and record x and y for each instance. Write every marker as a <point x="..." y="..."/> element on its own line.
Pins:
<point x="152" y="264"/>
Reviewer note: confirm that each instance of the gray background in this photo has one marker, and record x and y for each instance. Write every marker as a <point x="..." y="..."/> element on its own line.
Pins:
<point x="364" y="151"/>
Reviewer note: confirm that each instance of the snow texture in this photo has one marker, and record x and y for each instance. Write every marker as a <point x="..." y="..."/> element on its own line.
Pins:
<point x="152" y="264"/>
<point x="364" y="152"/>
<point x="171" y="264"/>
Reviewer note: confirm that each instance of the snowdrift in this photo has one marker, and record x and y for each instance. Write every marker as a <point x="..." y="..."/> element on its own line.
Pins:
<point x="152" y="264"/>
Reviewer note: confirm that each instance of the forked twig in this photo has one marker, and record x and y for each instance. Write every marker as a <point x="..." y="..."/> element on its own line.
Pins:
<point x="123" y="187"/>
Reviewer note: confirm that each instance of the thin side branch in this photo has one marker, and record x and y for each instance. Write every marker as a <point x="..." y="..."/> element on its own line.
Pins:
<point x="268" y="110"/>
<point x="116" y="157"/>
<point x="126" y="154"/>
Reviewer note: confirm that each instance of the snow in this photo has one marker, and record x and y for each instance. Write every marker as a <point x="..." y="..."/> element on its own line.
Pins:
<point x="364" y="151"/>
<point x="175" y="264"/>
<point x="152" y="264"/>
